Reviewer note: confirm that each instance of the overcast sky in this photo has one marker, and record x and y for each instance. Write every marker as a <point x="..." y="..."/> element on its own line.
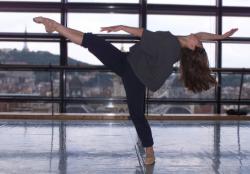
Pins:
<point x="234" y="55"/>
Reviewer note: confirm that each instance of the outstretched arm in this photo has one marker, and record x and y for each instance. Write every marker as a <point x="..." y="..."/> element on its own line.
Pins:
<point x="131" y="30"/>
<point x="203" y="36"/>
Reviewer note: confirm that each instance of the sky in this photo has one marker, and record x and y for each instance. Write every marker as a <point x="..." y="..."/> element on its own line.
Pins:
<point x="234" y="55"/>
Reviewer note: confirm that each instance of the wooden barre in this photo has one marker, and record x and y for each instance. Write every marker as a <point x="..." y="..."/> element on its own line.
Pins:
<point x="91" y="116"/>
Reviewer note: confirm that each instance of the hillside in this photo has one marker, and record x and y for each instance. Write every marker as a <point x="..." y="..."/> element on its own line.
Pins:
<point x="15" y="56"/>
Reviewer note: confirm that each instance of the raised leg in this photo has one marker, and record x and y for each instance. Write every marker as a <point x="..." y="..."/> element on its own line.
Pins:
<point x="50" y="26"/>
<point x="108" y="54"/>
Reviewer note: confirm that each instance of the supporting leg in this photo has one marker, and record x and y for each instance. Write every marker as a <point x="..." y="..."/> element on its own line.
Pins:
<point x="135" y="92"/>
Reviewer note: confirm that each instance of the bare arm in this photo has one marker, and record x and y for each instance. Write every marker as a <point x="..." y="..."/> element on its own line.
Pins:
<point x="203" y="36"/>
<point x="131" y="30"/>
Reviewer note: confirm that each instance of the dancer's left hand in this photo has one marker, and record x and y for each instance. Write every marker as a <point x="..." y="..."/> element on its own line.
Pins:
<point x="112" y="28"/>
<point x="229" y="33"/>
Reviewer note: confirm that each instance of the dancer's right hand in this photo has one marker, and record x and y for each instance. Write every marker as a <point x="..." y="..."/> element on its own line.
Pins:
<point x="112" y="28"/>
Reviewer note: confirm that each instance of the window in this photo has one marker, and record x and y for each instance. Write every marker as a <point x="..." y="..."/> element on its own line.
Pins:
<point x="94" y="84"/>
<point x="174" y="88"/>
<point x="23" y="22"/>
<point x="31" y="83"/>
<point x="36" y="107"/>
<point x="180" y="24"/>
<point x="230" y="86"/>
<point x="210" y="49"/>
<point x="237" y="22"/>
<point x="181" y="109"/>
<point x="92" y="22"/>
<point x="32" y="0"/>
<point x="181" y="2"/>
<point x="23" y="42"/>
<point x="81" y="56"/>
<point x="235" y="55"/>
<point x="104" y="107"/>
<point x="29" y="53"/>
<point x="242" y="3"/>
<point x="106" y="1"/>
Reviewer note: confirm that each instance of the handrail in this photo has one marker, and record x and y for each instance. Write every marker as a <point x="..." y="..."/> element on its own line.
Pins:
<point x="113" y="116"/>
<point x="19" y="67"/>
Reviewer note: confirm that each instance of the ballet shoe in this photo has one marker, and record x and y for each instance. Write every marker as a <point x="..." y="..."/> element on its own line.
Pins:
<point x="38" y="19"/>
<point x="149" y="159"/>
<point x="50" y="25"/>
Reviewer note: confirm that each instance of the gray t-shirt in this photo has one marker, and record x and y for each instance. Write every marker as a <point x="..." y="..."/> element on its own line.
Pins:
<point x="152" y="58"/>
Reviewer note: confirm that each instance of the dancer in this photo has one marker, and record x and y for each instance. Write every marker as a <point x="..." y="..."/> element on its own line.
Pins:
<point x="147" y="64"/>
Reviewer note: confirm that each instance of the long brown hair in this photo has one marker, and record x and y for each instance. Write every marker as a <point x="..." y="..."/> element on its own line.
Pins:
<point x="194" y="69"/>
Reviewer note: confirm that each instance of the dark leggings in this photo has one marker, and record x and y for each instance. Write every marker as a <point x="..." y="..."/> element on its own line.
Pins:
<point x="116" y="60"/>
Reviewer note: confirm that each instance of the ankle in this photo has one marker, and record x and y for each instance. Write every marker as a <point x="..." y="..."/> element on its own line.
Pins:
<point x="149" y="150"/>
<point x="56" y="25"/>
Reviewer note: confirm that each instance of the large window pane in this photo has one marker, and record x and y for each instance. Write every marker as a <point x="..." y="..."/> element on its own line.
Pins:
<point x="81" y="55"/>
<point x="210" y="49"/>
<point x="108" y="107"/>
<point x="94" y="84"/>
<point x="90" y="22"/>
<point x="225" y="108"/>
<point x="106" y="1"/>
<point x="174" y="88"/>
<point x="237" y="22"/>
<point x="35" y="53"/>
<point x="245" y="94"/>
<point x="32" y="0"/>
<point x="230" y="86"/>
<point x="37" y="107"/>
<point x="243" y="3"/>
<point x="19" y="22"/>
<point x="31" y="83"/>
<point x="181" y="109"/>
<point x="235" y="55"/>
<point x="185" y="2"/>
<point x="181" y="25"/>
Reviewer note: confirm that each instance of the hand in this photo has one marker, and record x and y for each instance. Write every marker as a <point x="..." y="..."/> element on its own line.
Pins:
<point x="229" y="33"/>
<point x="112" y="28"/>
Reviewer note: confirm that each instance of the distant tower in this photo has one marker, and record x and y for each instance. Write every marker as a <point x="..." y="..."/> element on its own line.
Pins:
<point x="25" y="45"/>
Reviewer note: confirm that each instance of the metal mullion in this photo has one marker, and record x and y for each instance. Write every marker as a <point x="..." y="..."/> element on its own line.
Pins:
<point x="236" y="11"/>
<point x="143" y="24"/>
<point x="27" y="99"/>
<point x="63" y="60"/>
<point x="28" y="35"/>
<point x="237" y="40"/>
<point x="102" y="7"/>
<point x="143" y="14"/>
<point x="51" y="7"/>
<point x="181" y="9"/>
<point x="116" y="100"/>
<point x="24" y="67"/>
<point x="219" y="56"/>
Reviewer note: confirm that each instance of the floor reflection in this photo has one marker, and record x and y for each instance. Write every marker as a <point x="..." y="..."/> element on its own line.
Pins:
<point x="108" y="147"/>
<point x="62" y="149"/>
